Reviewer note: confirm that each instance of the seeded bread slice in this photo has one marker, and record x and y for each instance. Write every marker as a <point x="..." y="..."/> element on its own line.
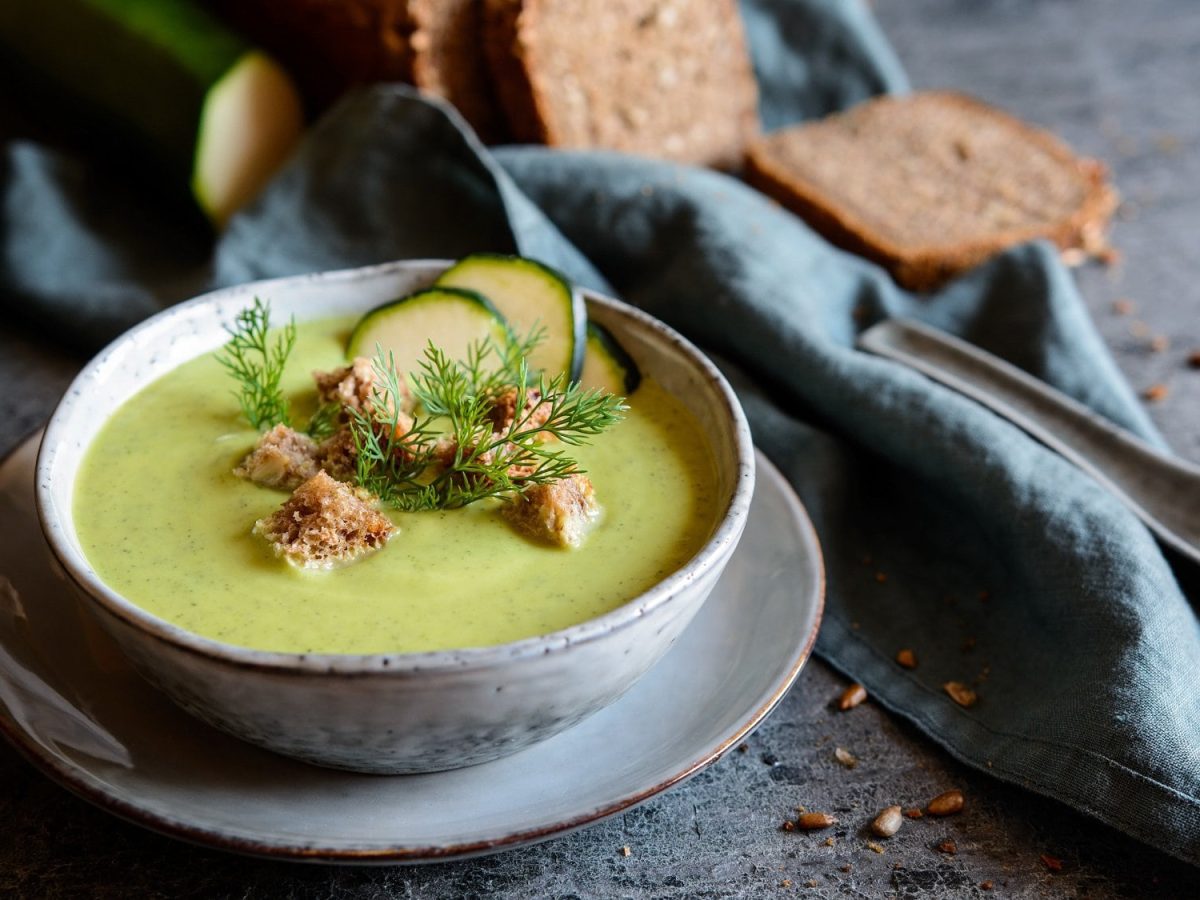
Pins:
<point x="931" y="184"/>
<point x="669" y="78"/>
<point x="448" y="61"/>
<point x="332" y="45"/>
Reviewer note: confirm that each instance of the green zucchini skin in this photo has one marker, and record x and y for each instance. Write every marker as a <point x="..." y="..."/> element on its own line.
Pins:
<point x="134" y="78"/>
<point x="608" y="365"/>
<point x="401" y="326"/>
<point x="142" y="65"/>
<point x="502" y="279"/>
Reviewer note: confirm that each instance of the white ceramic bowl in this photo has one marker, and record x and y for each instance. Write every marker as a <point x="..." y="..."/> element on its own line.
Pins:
<point x="390" y="713"/>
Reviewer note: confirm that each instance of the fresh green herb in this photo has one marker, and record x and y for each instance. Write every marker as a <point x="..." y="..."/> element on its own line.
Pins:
<point x="325" y="421"/>
<point x="257" y="365"/>
<point x="450" y="454"/>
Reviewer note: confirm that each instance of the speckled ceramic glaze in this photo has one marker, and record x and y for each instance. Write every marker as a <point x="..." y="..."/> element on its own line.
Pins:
<point x="398" y="713"/>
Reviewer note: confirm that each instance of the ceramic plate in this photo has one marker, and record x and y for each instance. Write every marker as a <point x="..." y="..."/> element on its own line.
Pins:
<point x="71" y="704"/>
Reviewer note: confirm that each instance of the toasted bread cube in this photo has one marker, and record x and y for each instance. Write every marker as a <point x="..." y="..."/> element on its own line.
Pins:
<point x="561" y="512"/>
<point x="337" y="455"/>
<point x="351" y="387"/>
<point x="324" y="524"/>
<point x="282" y="458"/>
<point x="504" y="410"/>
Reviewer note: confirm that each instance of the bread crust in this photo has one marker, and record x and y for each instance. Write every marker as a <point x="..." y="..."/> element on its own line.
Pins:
<point x="926" y="267"/>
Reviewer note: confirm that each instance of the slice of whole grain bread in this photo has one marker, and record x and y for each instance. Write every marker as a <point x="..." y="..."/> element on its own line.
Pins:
<point x="931" y="184"/>
<point x="668" y="78"/>
<point x="330" y="46"/>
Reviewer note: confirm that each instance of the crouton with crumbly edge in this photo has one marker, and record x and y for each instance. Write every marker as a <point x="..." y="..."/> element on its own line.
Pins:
<point x="561" y="512"/>
<point x="324" y="524"/>
<point x="535" y="413"/>
<point x="282" y="458"/>
<point x="351" y="387"/>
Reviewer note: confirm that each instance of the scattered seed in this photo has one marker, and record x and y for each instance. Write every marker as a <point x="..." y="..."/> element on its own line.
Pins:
<point x="1139" y="329"/>
<point x="1155" y="393"/>
<point x="1123" y="307"/>
<point x="887" y="823"/>
<point x="845" y="757"/>
<point x="914" y="813"/>
<point x="1193" y="359"/>
<point x="786" y="883"/>
<point x="815" y="821"/>
<point x="788" y="825"/>
<point x="830" y="842"/>
<point x="960" y="693"/>
<point x="1052" y="863"/>
<point x="948" y="846"/>
<point x="812" y="882"/>
<point x="877" y="848"/>
<point x="968" y="645"/>
<point x="985" y="885"/>
<point x="907" y="658"/>
<point x="625" y="851"/>
<point x="847" y="867"/>
<point x="743" y="748"/>
<point x="852" y="696"/>
<point x="946" y="804"/>
<point x="854" y="626"/>
<point x="881" y="577"/>
<point x="1160" y="343"/>
<point x="770" y="759"/>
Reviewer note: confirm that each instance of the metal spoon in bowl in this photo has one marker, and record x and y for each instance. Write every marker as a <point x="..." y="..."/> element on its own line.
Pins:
<point x="1162" y="491"/>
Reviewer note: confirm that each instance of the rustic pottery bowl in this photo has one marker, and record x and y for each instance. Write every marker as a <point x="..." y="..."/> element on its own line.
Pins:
<point x="390" y="713"/>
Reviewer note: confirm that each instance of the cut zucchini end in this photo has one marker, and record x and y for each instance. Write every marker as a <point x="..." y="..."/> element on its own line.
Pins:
<point x="451" y="318"/>
<point x="606" y="365"/>
<point x="526" y="292"/>
<point x="251" y="120"/>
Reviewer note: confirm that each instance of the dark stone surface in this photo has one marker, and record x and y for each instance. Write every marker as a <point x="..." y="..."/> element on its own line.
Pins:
<point x="1118" y="81"/>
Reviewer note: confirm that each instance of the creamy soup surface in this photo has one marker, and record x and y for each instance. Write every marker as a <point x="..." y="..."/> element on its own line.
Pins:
<point x="165" y="522"/>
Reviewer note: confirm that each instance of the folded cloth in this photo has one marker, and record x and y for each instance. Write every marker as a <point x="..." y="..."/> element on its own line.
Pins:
<point x="941" y="523"/>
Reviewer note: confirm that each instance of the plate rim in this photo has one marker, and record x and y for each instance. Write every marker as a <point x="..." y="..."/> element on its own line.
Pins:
<point x="84" y="784"/>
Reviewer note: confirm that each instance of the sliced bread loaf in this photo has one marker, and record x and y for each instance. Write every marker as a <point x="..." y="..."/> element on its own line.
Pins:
<point x="332" y="45"/>
<point x="931" y="184"/>
<point x="668" y="78"/>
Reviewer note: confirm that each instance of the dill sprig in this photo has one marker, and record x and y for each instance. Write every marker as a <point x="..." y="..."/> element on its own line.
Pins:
<point x="257" y="365"/>
<point x="325" y="421"/>
<point x="449" y="454"/>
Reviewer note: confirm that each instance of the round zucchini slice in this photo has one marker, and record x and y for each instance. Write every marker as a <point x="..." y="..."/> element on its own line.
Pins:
<point x="526" y="293"/>
<point x="606" y="365"/>
<point x="451" y="318"/>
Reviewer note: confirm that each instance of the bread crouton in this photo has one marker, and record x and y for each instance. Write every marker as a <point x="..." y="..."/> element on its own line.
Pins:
<point x="351" y="387"/>
<point x="561" y="512"/>
<point x="504" y="410"/>
<point x="282" y="458"/>
<point x="337" y="455"/>
<point x="323" y="524"/>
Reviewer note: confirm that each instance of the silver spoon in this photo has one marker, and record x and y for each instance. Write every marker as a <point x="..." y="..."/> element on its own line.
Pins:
<point x="1162" y="491"/>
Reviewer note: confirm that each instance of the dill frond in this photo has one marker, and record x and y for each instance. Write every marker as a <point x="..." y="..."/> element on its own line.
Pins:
<point x="257" y="365"/>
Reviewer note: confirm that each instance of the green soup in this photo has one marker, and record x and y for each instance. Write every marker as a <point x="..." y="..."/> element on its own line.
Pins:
<point x="165" y="522"/>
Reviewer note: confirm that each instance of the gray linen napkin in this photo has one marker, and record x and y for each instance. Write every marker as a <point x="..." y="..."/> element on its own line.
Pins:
<point x="941" y="523"/>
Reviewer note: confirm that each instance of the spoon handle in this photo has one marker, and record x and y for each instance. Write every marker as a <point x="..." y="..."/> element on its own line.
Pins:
<point x="1164" y="492"/>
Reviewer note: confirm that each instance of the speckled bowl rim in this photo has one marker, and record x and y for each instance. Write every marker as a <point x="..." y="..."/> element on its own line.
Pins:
<point x="714" y="552"/>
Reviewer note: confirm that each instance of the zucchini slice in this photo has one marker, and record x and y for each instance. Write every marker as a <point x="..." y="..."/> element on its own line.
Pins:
<point x="449" y="317"/>
<point x="606" y="365"/>
<point x="528" y="293"/>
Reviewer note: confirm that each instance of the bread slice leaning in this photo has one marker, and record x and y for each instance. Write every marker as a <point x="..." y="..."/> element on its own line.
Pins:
<point x="931" y="184"/>
<point x="333" y="45"/>
<point x="667" y="78"/>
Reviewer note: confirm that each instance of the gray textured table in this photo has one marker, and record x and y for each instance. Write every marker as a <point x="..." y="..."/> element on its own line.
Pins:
<point x="1118" y="81"/>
